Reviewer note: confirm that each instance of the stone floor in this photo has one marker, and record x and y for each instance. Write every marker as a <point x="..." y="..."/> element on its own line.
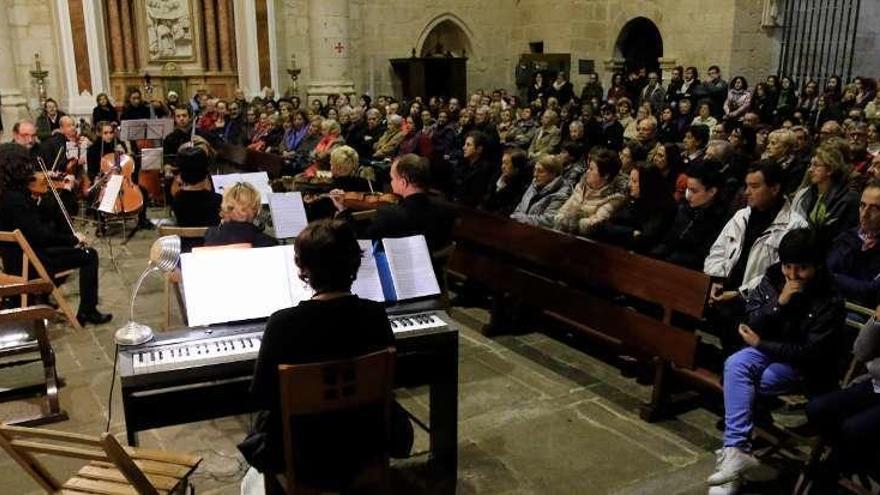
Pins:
<point x="537" y="413"/>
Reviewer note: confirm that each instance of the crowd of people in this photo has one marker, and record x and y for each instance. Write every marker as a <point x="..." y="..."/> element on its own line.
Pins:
<point x="773" y="190"/>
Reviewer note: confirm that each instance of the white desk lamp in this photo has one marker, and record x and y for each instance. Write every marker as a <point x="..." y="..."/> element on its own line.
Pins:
<point x="163" y="258"/>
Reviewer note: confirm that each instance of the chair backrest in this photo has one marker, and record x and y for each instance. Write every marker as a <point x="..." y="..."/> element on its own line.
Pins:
<point x="28" y="258"/>
<point x="21" y="443"/>
<point x="334" y="386"/>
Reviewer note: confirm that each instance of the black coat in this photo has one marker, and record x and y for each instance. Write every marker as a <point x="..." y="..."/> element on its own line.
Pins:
<point x="472" y="182"/>
<point x="651" y="222"/>
<point x="415" y="214"/>
<point x="841" y="207"/>
<point x="104" y="114"/>
<point x="19" y="211"/>
<point x="236" y="233"/>
<point x="856" y="273"/>
<point x="503" y="201"/>
<point x="693" y="232"/>
<point x="806" y="333"/>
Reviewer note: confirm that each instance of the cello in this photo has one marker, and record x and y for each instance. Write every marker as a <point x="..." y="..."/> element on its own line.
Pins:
<point x="130" y="199"/>
<point x="151" y="180"/>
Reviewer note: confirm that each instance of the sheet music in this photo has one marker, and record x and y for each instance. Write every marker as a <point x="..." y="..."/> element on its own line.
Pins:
<point x="411" y="269"/>
<point x="260" y="180"/>
<point x="288" y="214"/>
<point x="111" y="194"/>
<point x="135" y="129"/>
<point x="71" y="150"/>
<point x="368" y="284"/>
<point x="151" y="158"/>
<point x="226" y="285"/>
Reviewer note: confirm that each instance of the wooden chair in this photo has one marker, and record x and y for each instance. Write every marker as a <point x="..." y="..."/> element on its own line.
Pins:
<point x="29" y="259"/>
<point x="23" y="340"/>
<point x="191" y="237"/>
<point x="335" y="386"/>
<point x="112" y="468"/>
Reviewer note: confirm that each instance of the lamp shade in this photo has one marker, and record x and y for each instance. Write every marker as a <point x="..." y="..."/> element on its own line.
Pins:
<point x="165" y="252"/>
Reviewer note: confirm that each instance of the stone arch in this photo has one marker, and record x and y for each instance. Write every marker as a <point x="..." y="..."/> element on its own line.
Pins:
<point x="639" y="44"/>
<point x="450" y="31"/>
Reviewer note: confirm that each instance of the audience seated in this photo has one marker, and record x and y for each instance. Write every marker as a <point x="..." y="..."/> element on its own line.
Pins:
<point x="507" y="186"/>
<point x="826" y="201"/>
<point x="667" y="158"/>
<point x="746" y="246"/>
<point x="386" y="145"/>
<point x="547" y="138"/>
<point x="240" y="206"/>
<point x="545" y="195"/>
<point x="854" y="259"/>
<point x="698" y="221"/>
<point x="474" y="171"/>
<point x="646" y="215"/>
<point x="594" y="199"/>
<point x="791" y="328"/>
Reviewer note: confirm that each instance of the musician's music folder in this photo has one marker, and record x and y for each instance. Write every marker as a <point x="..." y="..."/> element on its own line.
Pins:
<point x="396" y="269"/>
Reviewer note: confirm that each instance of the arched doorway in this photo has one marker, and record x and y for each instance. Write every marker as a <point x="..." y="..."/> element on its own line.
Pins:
<point x="438" y="66"/>
<point x="639" y="44"/>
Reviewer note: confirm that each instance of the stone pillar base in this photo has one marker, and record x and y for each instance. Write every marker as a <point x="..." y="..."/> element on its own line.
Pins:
<point x="13" y="107"/>
<point x="322" y="89"/>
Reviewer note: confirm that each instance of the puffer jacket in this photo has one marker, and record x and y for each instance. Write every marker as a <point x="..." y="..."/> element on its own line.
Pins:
<point x="539" y="206"/>
<point x="587" y="208"/>
<point x="727" y="248"/>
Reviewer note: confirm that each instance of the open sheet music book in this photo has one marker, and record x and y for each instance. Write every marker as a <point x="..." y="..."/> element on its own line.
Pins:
<point x="226" y="285"/>
<point x="260" y="180"/>
<point x="395" y="269"/>
<point x="288" y="214"/>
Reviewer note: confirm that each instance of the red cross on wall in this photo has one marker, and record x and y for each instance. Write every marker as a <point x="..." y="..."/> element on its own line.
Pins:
<point x="339" y="47"/>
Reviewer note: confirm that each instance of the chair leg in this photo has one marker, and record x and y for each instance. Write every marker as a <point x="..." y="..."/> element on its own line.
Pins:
<point x="65" y="308"/>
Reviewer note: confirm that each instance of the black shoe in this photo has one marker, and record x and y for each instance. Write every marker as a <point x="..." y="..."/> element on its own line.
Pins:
<point x="94" y="317"/>
<point x="146" y="225"/>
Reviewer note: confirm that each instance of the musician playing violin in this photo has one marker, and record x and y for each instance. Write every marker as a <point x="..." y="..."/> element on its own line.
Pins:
<point x="417" y="213"/>
<point x="70" y="165"/>
<point x="57" y="247"/>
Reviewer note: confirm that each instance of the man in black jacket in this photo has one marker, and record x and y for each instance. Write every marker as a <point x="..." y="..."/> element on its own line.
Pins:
<point x="416" y="214"/>
<point x="792" y="333"/>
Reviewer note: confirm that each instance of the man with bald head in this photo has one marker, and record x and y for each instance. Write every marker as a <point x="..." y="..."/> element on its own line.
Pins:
<point x="65" y="133"/>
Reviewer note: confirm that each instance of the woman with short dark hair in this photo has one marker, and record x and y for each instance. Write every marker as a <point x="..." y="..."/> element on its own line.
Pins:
<point x="333" y="325"/>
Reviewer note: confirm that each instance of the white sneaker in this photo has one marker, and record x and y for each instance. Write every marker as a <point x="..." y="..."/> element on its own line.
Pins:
<point x="734" y="462"/>
<point x="729" y="488"/>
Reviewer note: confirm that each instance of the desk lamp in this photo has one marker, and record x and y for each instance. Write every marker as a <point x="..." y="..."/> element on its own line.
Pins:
<point x="164" y="254"/>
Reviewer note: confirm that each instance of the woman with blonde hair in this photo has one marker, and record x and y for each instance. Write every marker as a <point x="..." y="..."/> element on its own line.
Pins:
<point x="826" y="201"/>
<point x="241" y="204"/>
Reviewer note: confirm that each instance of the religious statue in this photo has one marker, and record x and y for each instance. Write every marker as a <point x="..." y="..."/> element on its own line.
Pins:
<point x="770" y="16"/>
<point x="169" y="29"/>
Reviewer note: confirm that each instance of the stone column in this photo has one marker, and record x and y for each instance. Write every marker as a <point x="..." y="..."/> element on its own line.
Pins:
<point x="128" y="28"/>
<point x="116" y="43"/>
<point x="13" y="104"/>
<point x="225" y="33"/>
<point x="210" y="34"/>
<point x="330" y="48"/>
<point x="666" y="66"/>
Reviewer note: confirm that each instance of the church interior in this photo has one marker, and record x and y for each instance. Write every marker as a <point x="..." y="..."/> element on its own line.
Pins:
<point x="374" y="246"/>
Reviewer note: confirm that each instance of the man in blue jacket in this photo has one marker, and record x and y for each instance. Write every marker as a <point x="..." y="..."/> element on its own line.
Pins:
<point x="854" y="260"/>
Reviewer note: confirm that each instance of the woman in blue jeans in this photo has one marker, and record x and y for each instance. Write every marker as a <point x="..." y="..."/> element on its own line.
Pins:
<point x="791" y="333"/>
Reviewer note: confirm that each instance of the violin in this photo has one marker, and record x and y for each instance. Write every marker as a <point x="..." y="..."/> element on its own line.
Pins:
<point x="130" y="199"/>
<point x="39" y="183"/>
<point x="360" y="201"/>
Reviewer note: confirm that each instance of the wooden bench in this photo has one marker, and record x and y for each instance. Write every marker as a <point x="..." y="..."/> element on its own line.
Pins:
<point x="579" y="282"/>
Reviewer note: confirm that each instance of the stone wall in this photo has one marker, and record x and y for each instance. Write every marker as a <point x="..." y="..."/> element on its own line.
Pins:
<point x="32" y="30"/>
<point x="867" y="49"/>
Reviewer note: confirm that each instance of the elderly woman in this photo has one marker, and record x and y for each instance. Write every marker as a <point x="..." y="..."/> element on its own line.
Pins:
<point x="594" y="200"/>
<point x="548" y="137"/>
<point x="545" y="196"/>
<point x="241" y="204"/>
<point x="330" y="139"/>
<point x="780" y="148"/>
<point x="826" y="200"/>
<point x="386" y="146"/>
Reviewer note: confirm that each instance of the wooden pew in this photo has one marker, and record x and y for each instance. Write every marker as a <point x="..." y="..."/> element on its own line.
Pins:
<point x="248" y="160"/>
<point x="577" y="281"/>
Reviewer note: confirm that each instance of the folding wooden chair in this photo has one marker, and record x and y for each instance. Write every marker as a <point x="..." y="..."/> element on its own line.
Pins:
<point x="23" y="340"/>
<point x="112" y="468"/>
<point x="331" y="387"/>
<point x="29" y="259"/>
<point x="190" y="237"/>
